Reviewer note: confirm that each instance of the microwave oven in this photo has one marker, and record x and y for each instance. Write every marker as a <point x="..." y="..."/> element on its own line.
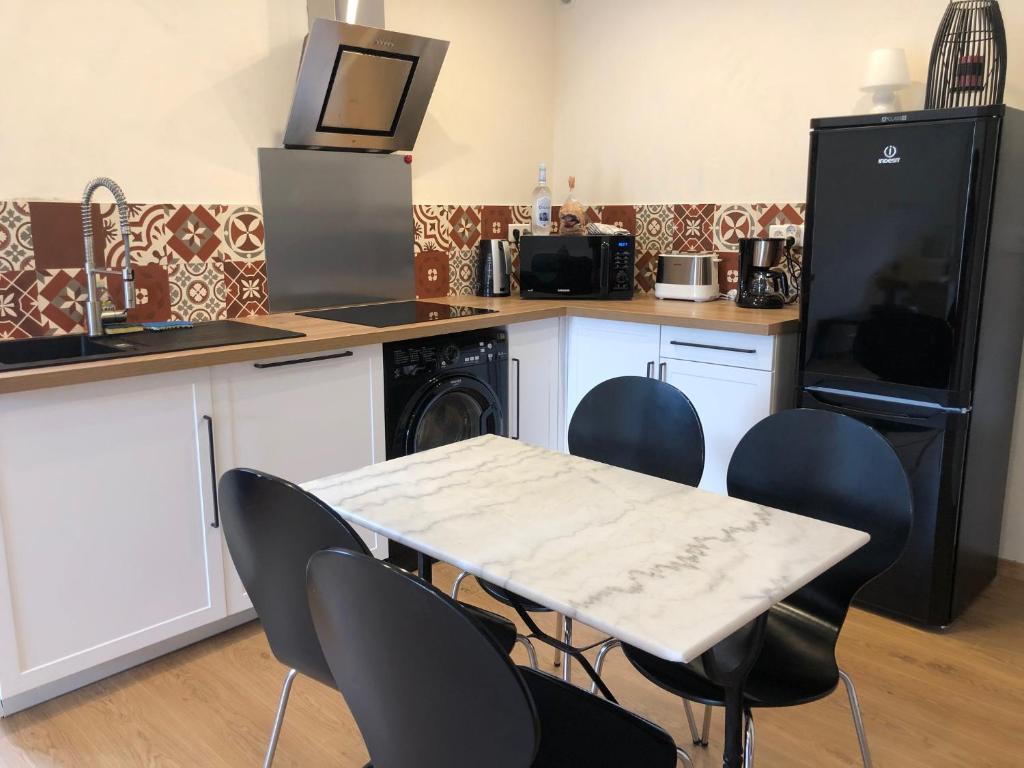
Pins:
<point x="576" y="267"/>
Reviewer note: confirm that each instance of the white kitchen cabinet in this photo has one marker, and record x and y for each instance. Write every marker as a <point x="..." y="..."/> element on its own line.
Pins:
<point x="300" y="418"/>
<point x="734" y="380"/>
<point x="729" y="402"/>
<point x="535" y="382"/>
<point x="598" y="350"/>
<point x="106" y="511"/>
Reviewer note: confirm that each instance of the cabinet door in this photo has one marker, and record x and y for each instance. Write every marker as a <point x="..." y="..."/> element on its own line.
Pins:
<point x="106" y="505"/>
<point x="317" y="416"/>
<point x="729" y="402"/>
<point x="535" y="387"/>
<point x="598" y="350"/>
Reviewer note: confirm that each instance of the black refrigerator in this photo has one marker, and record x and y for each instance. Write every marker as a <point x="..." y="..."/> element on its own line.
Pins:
<point x="912" y="319"/>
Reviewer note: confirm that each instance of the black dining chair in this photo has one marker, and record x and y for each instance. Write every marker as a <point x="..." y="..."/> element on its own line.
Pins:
<point x="830" y="467"/>
<point x="429" y="688"/>
<point x="636" y="423"/>
<point x="272" y="528"/>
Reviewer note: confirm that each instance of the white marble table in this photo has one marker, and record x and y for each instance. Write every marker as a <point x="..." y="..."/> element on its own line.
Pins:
<point x="670" y="569"/>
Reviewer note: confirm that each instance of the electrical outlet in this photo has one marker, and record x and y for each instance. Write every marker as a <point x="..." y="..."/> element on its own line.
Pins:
<point x="515" y="231"/>
<point x="785" y="231"/>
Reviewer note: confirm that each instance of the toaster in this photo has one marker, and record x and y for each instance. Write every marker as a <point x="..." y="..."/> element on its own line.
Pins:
<point x="687" y="276"/>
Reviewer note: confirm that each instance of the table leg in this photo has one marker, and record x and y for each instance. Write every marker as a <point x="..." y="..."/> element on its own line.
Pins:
<point x="728" y="665"/>
<point x="425" y="566"/>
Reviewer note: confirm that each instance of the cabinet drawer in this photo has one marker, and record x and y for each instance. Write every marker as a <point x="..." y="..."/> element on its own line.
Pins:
<point x="740" y="350"/>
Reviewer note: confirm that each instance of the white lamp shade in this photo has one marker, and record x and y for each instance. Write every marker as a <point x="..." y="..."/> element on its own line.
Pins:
<point x="886" y="69"/>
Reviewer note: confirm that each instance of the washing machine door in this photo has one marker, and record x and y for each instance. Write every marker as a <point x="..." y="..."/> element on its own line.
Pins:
<point x="451" y="409"/>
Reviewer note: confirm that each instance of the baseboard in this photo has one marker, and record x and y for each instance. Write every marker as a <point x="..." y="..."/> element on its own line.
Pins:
<point x="1010" y="569"/>
<point x="70" y="683"/>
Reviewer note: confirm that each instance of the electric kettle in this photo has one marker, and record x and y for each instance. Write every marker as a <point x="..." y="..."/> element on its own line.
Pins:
<point x="495" y="268"/>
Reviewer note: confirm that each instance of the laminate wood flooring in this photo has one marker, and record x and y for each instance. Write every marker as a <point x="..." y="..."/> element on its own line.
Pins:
<point x="954" y="698"/>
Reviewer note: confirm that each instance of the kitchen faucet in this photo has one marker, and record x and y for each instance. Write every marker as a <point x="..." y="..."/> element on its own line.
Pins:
<point x="95" y="314"/>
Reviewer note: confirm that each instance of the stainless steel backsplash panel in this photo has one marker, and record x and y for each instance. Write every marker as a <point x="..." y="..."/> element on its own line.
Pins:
<point x="338" y="228"/>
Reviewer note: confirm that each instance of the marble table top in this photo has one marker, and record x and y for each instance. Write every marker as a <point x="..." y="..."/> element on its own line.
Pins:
<point x="670" y="569"/>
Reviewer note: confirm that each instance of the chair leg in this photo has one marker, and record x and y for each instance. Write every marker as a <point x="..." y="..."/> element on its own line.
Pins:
<point x="530" y="651"/>
<point x="748" y="750"/>
<point x="279" y="719"/>
<point x="706" y="730"/>
<point x="692" y="722"/>
<point x="858" y="720"/>
<point x="684" y="757"/>
<point x="606" y="646"/>
<point x="567" y="639"/>
<point x="559" y="628"/>
<point x="458" y="583"/>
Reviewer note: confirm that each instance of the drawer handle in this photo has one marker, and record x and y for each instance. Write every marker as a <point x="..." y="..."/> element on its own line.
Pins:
<point x="301" y="360"/>
<point x="713" y="346"/>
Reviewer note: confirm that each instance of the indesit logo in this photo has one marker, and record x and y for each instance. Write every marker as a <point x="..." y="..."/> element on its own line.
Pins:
<point x="890" y="155"/>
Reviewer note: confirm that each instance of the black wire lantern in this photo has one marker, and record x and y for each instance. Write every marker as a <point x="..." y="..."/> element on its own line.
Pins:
<point x="968" y="63"/>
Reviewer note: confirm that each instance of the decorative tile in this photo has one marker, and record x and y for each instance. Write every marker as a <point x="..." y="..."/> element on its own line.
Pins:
<point x="19" y="306"/>
<point x="728" y="271"/>
<point x="646" y="271"/>
<point x="192" y="232"/>
<point x="778" y="213"/>
<point x="693" y="228"/>
<point x="62" y="298"/>
<point x="431" y="271"/>
<point x="733" y="222"/>
<point x="16" y="252"/>
<point x="521" y="214"/>
<point x="465" y="223"/>
<point x="462" y="272"/>
<point x="432" y="227"/>
<point x="654" y="228"/>
<point x="197" y="290"/>
<point x="620" y="216"/>
<point x="152" y="293"/>
<point x="57" y="237"/>
<point x="246" y="285"/>
<point x="243" y="234"/>
<point x="494" y="221"/>
<point x="147" y="227"/>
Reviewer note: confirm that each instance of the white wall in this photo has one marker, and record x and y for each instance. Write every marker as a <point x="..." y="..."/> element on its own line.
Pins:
<point x="709" y="100"/>
<point x="173" y="98"/>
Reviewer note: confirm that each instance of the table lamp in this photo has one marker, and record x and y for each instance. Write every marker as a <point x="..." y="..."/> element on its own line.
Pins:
<point x="886" y="73"/>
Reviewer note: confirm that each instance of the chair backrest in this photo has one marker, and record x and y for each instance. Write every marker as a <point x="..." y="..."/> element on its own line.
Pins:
<point x="427" y="686"/>
<point x="640" y="424"/>
<point x="830" y="467"/>
<point x="272" y="528"/>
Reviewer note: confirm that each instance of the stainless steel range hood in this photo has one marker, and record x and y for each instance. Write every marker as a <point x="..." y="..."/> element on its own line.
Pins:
<point x="362" y="88"/>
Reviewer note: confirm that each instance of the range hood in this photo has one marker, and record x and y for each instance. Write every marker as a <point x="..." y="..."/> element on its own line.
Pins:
<point x="362" y="88"/>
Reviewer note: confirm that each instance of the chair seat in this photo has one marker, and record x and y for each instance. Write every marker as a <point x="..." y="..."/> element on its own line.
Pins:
<point x="498" y="627"/>
<point x="502" y="595"/>
<point x="796" y="666"/>
<point x="579" y="729"/>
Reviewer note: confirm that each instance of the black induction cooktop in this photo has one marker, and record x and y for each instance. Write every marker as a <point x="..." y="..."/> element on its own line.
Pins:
<point x="396" y="313"/>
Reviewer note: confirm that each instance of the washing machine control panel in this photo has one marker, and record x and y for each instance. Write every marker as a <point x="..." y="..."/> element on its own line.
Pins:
<point x="424" y="357"/>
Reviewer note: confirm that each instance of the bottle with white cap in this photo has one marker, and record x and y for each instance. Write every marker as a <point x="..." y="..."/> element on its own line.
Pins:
<point x="541" y="224"/>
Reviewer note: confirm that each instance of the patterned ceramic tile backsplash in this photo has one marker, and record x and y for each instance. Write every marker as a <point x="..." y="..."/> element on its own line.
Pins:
<point x="206" y="262"/>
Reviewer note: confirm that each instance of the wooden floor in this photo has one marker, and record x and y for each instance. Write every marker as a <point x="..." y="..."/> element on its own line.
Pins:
<point x="929" y="699"/>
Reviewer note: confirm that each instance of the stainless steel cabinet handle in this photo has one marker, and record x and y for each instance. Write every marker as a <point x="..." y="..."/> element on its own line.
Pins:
<point x="301" y="360"/>
<point x="663" y="372"/>
<point x="213" y="472"/>
<point x="650" y="370"/>
<point x="519" y="402"/>
<point x="713" y="346"/>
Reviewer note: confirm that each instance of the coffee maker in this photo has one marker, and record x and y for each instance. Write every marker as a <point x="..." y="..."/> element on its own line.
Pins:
<point x="763" y="283"/>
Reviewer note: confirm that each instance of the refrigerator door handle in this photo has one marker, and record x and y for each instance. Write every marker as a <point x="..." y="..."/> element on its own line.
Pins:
<point x="821" y="395"/>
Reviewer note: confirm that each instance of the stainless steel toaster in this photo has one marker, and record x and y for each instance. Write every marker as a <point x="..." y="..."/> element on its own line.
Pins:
<point x="687" y="276"/>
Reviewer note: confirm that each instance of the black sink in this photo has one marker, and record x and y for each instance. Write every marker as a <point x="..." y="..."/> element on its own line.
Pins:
<point x="77" y="348"/>
<point x="45" y="351"/>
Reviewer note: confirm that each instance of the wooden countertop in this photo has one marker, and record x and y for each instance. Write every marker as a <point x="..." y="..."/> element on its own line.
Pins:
<point x="323" y="335"/>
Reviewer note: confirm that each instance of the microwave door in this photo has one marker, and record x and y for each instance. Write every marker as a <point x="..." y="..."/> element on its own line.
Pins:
<point x="562" y="269"/>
